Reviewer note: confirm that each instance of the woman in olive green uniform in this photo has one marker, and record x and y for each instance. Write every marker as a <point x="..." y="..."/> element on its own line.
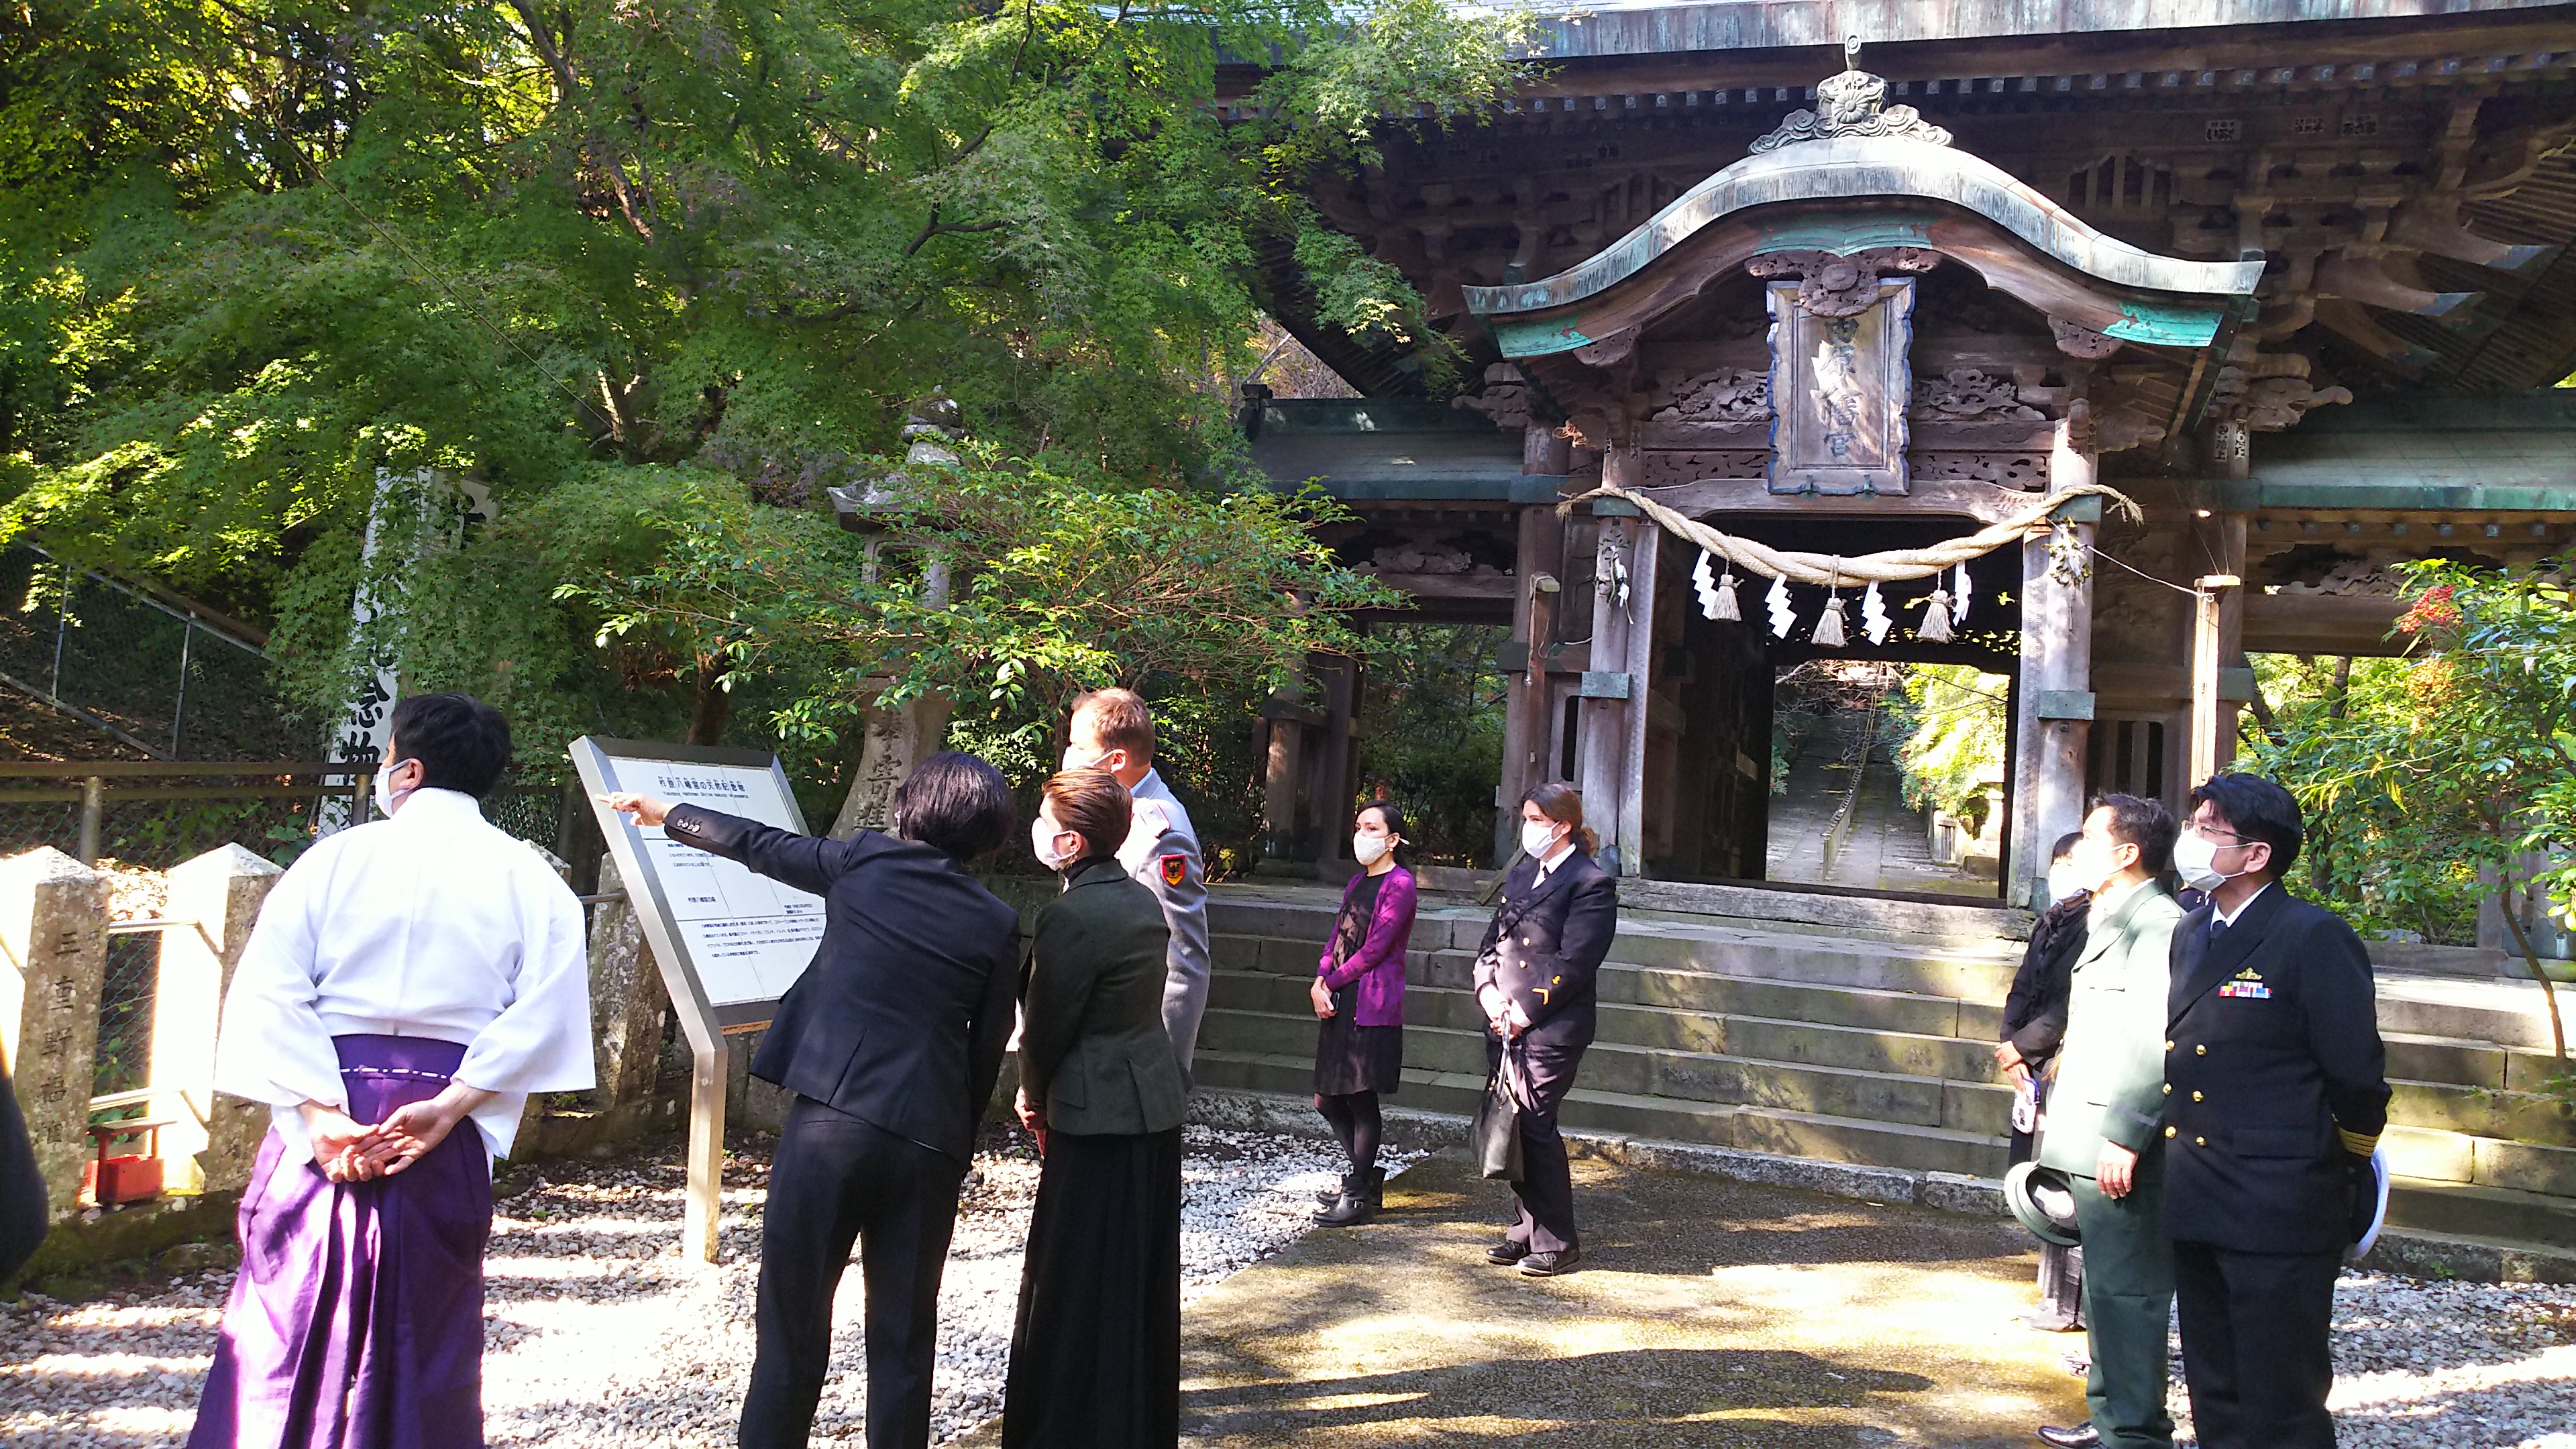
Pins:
<point x="1096" y="1355"/>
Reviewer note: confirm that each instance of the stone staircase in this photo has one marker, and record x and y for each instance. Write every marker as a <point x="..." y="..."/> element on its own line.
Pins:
<point x="1834" y="1041"/>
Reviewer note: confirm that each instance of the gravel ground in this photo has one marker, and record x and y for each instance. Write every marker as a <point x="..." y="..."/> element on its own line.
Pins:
<point x="2421" y="1365"/>
<point x="2431" y="1365"/>
<point x="668" y="1364"/>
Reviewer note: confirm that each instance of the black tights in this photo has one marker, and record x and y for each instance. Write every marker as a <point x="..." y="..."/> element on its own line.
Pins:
<point x="1356" y="1123"/>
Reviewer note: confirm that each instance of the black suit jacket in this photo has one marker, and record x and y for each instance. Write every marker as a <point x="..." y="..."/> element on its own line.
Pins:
<point x="903" y="1017"/>
<point x="2035" y="1008"/>
<point x="2273" y="1044"/>
<point x="1546" y="943"/>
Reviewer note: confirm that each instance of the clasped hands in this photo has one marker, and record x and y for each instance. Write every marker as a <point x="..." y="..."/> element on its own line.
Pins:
<point x="1502" y="1013"/>
<point x="347" y="1150"/>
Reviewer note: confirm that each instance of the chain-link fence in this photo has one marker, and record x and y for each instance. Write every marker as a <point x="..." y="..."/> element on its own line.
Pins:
<point x="152" y="672"/>
<point x="124" y="1055"/>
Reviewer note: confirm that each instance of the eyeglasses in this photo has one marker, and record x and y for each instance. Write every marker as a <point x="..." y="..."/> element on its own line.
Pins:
<point x="2225" y="837"/>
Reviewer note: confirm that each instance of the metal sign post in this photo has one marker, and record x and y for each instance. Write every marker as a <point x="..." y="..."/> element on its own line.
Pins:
<point x="729" y="943"/>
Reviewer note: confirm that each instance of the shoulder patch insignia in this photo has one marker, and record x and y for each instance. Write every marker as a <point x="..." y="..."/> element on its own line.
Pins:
<point x="1176" y="869"/>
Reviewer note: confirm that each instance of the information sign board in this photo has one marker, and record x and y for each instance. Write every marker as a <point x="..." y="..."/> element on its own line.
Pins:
<point x="729" y="942"/>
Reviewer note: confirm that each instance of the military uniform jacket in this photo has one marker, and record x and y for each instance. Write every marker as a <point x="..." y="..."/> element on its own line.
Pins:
<point x="2272" y="1053"/>
<point x="1092" y="1044"/>
<point x="2111" y="1067"/>
<point x="1545" y="945"/>
<point x="1162" y="853"/>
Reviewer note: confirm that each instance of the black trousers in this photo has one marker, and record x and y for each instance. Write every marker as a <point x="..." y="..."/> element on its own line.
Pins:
<point x="837" y="1180"/>
<point x="2254" y="1345"/>
<point x="1543" y="1200"/>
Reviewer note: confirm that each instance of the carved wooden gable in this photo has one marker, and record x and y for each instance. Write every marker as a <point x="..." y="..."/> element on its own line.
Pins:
<point x="1842" y="379"/>
<point x="1768" y="323"/>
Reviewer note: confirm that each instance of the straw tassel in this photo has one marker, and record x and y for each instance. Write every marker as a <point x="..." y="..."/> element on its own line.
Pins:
<point x="1725" y="607"/>
<point x="1935" y="628"/>
<point x="1829" y="629"/>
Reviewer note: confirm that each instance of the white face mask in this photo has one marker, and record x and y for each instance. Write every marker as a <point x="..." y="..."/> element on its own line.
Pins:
<point x="1368" y="849"/>
<point x="1073" y="760"/>
<point x="2064" y="881"/>
<point x="2197" y="861"/>
<point x="1043" y="834"/>
<point x="386" y="798"/>
<point x="1538" y="837"/>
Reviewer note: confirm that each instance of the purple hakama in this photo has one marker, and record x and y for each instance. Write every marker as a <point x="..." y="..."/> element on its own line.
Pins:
<point x="356" y="1321"/>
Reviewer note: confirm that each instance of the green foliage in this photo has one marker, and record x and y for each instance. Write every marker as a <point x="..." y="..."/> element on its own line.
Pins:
<point x="2420" y="775"/>
<point x="1431" y="734"/>
<point x="654" y="277"/>
<point x="1953" y="721"/>
<point x="2419" y="772"/>
<point x="1075" y="583"/>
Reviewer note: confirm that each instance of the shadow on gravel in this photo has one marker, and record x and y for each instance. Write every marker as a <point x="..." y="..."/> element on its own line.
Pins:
<point x="1637" y="1389"/>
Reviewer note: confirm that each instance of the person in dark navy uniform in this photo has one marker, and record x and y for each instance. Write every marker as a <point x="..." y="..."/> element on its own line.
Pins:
<point x="891" y="1042"/>
<point x="2276" y="1094"/>
<point x="1534" y="983"/>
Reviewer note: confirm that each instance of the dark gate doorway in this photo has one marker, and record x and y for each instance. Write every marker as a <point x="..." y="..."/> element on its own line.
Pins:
<point x="1874" y="767"/>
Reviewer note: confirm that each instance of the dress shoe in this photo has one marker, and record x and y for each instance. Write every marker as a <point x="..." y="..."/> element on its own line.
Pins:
<point x="1548" y="1265"/>
<point x="2082" y="1436"/>
<point x="1506" y="1253"/>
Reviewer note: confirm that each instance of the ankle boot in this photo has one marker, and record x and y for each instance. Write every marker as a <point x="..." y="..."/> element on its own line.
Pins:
<point x="1326" y="1197"/>
<point x="1361" y="1201"/>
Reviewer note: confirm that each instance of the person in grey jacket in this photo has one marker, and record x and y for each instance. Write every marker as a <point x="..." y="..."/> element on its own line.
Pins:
<point x="1113" y="730"/>
<point x="2105" y="1115"/>
<point x="1096" y="1352"/>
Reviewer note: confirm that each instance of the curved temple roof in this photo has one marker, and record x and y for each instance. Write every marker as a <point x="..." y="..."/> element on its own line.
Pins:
<point x="1857" y="154"/>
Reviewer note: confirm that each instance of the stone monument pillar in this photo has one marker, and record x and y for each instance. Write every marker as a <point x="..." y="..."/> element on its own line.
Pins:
<point x="53" y="964"/>
<point x="211" y="1141"/>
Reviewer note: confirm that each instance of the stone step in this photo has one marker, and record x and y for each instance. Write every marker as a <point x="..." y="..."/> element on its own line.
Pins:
<point x="1687" y="1078"/>
<point x="2466" y="1063"/>
<point x="2518" y="1117"/>
<point x="2435" y="1155"/>
<point x="1816" y="1136"/>
<point x="2495" y="1014"/>
<point x="2495" y="1213"/>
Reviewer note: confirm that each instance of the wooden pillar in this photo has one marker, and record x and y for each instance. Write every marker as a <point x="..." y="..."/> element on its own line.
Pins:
<point x="1609" y="693"/>
<point x="1332" y="770"/>
<point x="702" y="1211"/>
<point x="53" y="965"/>
<point x="1643" y="555"/>
<point x="210" y="1144"/>
<point x="2213" y="719"/>
<point x="1280" y="774"/>
<point x="2053" y="702"/>
<point x="1526" y="729"/>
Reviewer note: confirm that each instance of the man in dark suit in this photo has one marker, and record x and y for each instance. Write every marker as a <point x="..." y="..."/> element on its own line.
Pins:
<point x="2275" y="1097"/>
<point x="1534" y="982"/>
<point x="891" y="1041"/>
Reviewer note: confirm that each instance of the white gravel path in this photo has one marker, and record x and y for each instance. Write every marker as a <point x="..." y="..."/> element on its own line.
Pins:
<point x="596" y="1333"/>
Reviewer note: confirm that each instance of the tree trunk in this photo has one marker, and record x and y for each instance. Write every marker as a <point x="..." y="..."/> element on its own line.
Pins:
<point x="2548" y="992"/>
<point x="2336" y="698"/>
<point x="708" y="705"/>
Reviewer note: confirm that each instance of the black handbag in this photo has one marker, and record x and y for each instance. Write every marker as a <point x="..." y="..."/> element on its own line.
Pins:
<point x="1495" y="1136"/>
